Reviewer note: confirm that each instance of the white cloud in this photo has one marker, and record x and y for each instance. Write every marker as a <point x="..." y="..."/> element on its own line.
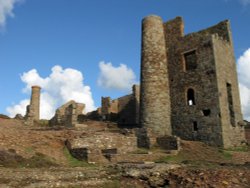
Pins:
<point x="119" y="78"/>
<point x="18" y="108"/>
<point x="243" y="67"/>
<point x="61" y="86"/>
<point x="245" y="2"/>
<point x="6" y="10"/>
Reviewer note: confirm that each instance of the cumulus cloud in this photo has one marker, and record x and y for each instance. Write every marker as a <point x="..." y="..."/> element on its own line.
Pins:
<point x="243" y="67"/>
<point x="18" y="108"/>
<point x="61" y="86"/>
<point x="119" y="78"/>
<point x="6" y="10"/>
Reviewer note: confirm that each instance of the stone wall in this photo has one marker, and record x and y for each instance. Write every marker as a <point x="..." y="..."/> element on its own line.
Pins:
<point x="109" y="106"/>
<point x="247" y="133"/>
<point x="67" y="114"/>
<point x="124" y="110"/>
<point x="229" y="100"/>
<point x="100" y="146"/>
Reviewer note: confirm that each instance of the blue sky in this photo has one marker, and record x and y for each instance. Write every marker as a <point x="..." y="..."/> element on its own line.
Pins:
<point x="79" y="34"/>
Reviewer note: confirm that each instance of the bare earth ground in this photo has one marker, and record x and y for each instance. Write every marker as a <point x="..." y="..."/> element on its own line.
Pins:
<point x="36" y="157"/>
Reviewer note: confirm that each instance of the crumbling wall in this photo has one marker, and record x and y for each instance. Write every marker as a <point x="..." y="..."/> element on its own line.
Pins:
<point x="247" y="133"/>
<point x="67" y="114"/>
<point x="124" y="110"/>
<point x="101" y="146"/>
<point x="109" y="109"/>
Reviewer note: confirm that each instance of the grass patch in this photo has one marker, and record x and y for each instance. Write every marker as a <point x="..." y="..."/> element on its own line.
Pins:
<point x="226" y="154"/>
<point x="39" y="160"/>
<point x="171" y="159"/>
<point x="29" y="150"/>
<point x="42" y="123"/>
<point x="239" y="149"/>
<point x="140" y="151"/>
<point x="13" y="160"/>
<point x="73" y="162"/>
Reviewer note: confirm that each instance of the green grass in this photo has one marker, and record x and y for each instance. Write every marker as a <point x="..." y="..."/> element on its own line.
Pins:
<point x="140" y="151"/>
<point x="29" y="150"/>
<point x="38" y="160"/>
<point x="239" y="149"/>
<point x="226" y="154"/>
<point x="171" y="159"/>
<point x="42" y="122"/>
<point x="73" y="162"/>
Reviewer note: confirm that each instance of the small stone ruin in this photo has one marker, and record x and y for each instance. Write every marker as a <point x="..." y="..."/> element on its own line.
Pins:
<point x="67" y="115"/>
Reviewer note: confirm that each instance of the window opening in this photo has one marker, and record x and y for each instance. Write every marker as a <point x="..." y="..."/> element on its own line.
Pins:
<point x="230" y="104"/>
<point x="195" y="126"/>
<point x="190" y="97"/>
<point x="190" y="60"/>
<point x="206" y="112"/>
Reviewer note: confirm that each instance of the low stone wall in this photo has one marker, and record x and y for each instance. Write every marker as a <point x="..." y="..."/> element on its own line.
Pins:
<point x="147" y="139"/>
<point x="100" y="147"/>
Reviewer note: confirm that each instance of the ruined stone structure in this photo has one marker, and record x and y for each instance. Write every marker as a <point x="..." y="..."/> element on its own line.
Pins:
<point x="189" y="85"/>
<point x="124" y="110"/>
<point x="247" y="131"/>
<point x="68" y="114"/>
<point x="100" y="147"/>
<point x="33" y="110"/>
<point x="189" y="89"/>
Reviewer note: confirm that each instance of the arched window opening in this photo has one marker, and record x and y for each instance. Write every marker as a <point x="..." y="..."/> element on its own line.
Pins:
<point x="190" y="97"/>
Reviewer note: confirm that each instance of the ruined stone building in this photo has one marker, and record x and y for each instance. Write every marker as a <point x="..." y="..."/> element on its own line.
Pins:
<point x="124" y="110"/>
<point x="188" y="88"/>
<point x="189" y="85"/>
<point x="68" y="114"/>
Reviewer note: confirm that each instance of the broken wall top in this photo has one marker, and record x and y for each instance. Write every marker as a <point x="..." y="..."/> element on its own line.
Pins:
<point x="174" y="30"/>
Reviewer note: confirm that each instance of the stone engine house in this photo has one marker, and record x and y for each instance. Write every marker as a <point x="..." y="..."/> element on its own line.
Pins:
<point x="189" y="85"/>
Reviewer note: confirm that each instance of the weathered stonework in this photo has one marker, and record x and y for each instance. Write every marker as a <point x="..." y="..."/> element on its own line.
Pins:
<point x="247" y="132"/>
<point x="189" y="83"/>
<point x="33" y="110"/>
<point x="155" y="98"/>
<point x="100" y="147"/>
<point x="67" y="115"/>
<point x="124" y="110"/>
